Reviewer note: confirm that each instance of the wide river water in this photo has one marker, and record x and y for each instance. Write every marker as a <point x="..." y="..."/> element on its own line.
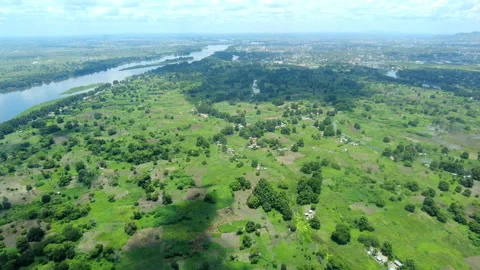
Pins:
<point x="14" y="103"/>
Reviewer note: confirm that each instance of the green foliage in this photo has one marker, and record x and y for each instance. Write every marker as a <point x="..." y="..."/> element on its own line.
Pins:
<point x="341" y="235"/>
<point x="210" y="198"/>
<point x="443" y="185"/>
<point x="410" y="208"/>
<point x="314" y="223"/>
<point x="59" y="252"/>
<point x="130" y="228"/>
<point x="269" y="198"/>
<point x="72" y="233"/>
<point x="167" y="198"/>
<point x="369" y="241"/>
<point x="387" y="249"/>
<point x="35" y="234"/>
<point x="246" y="241"/>
<point x="253" y="201"/>
<point x="430" y="207"/>
<point x="363" y="224"/>
<point x="250" y="227"/>
<point x="22" y="243"/>
<point x="240" y="183"/>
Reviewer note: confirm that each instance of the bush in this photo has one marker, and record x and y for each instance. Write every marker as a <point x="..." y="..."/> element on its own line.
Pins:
<point x="209" y="198"/>
<point x="72" y="233"/>
<point x="46" y="198"/>
<point x="410" y="208"/>
<point x="443" y="185"/>
<point x="363" y="224"/>
<point x="387" y="249"/>
<point x="130" y="228"/>
<point x="35" y="234"/>
<point x="341" y="235"/>
<point x="369" y="241"/>
<point x="314" y="223"/>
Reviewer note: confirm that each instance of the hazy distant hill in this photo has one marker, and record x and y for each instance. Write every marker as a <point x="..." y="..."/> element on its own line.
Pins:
<point x="472" y="36"/>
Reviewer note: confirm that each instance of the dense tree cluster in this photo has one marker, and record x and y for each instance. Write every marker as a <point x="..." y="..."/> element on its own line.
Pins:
<point x="460" y="82"/>
<point x="240" y="183"/>
<point x="264" y="195"/>
<point x="341" y="235"/>
<point x="308" y="189"/>
<point x="219" y="83"/>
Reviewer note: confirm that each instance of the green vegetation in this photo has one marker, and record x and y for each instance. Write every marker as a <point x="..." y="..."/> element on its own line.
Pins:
<point x="166" y="62"/>
<point x="81" y="88"/>
<point x="177" y="168"/>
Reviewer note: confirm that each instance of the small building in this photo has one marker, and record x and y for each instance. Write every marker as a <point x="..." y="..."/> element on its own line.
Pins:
<point x="398" y="263"/>
<point x="379" y="259"/>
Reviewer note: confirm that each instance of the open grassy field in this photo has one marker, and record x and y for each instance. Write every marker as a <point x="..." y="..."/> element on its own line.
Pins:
<point x="149" y="159"/>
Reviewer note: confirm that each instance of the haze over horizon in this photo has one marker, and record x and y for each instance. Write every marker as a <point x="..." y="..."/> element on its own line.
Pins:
<point x="93" y="17"/>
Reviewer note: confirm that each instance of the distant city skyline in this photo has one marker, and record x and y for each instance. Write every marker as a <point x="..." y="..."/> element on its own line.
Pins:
<point x="99" y="17"/>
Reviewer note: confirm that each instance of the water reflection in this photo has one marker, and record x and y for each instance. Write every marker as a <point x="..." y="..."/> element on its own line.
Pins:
<point x="12" y="104"/>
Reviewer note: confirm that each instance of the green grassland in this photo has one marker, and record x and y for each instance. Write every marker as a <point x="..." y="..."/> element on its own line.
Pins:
<point x="194" y="233"/>
<point x="81" y="88"/>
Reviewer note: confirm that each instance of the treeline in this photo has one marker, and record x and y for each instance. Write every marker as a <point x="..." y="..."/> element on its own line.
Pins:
<point x="75" y="70"/>
<point x="461" y="82"/>
<point x="14" y="124"/>
<point x="233" y="81"/>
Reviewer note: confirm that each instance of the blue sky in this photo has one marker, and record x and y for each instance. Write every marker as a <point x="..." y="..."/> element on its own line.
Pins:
<point x="83" y="17"/>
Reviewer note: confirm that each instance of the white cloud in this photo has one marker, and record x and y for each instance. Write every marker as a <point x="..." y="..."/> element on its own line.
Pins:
<point x="235" y="14"/>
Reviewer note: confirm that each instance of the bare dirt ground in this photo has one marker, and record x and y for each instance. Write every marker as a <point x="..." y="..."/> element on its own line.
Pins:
<point x="289" y="157"/>
<point x="146" y="206"/>
<point x="197" y="174"/>
<point x="60" y="139"/>
<point x="87" y="242"/>
<point x="117" y="191"/>
<point x="418" y="198"/>
<point x="195" y="194"/>
<point x="16" y="192"/>
<point x="476" y="188"/>
<point x="370" y="166"/>
<point x="143" y="238"/>
<point x="363" y="207"/>
<point x="473" y="262"/>
<point x="196" y="127"/>
<point x="228" y="240"/>
<point x="9" y="234"/>
<point x="359" y="156"/>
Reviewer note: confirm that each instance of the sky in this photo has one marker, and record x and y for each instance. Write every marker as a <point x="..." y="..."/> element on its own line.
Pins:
<point x="87" y="17"/>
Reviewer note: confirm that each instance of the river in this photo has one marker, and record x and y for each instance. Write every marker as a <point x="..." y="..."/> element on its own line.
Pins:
<point x="14" y="103"/>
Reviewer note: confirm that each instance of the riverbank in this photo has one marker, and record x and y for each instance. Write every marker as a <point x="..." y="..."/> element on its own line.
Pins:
<point x="166" y="62"/>
<point x="81" y="88"/>
<point x="13" y="104"/>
